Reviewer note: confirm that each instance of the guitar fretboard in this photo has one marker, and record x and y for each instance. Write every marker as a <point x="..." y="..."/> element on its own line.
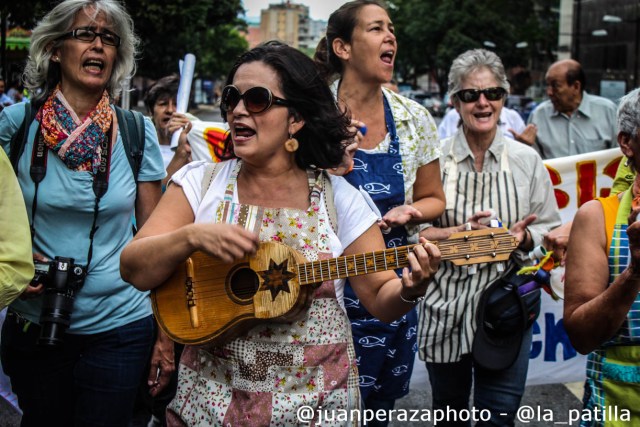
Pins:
<point x="470" y="247"/>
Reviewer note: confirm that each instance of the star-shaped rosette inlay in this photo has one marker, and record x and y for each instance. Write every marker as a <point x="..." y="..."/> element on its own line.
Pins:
<point x="276" y="278"/>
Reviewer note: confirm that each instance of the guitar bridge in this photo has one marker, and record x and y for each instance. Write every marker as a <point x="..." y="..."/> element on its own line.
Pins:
<point x="191" y="300"/>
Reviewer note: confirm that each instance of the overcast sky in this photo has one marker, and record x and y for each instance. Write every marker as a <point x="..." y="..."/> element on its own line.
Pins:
<point x="318" y="9"/>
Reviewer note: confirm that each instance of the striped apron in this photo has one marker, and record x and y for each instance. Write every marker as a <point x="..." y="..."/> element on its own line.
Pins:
<point x="447" y="315"/>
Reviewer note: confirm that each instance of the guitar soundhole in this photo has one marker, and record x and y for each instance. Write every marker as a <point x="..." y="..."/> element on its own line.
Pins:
<point x="242" y="284"/>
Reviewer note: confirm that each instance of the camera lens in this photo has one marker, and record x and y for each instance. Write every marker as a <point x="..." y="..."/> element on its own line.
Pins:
<point x="55" y="317"/>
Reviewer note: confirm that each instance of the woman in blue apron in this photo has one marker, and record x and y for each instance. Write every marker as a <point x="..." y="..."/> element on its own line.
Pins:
<point x="396" y="164"/>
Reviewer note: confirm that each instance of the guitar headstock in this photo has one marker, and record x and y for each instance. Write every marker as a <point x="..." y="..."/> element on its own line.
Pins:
<point x="478" y="246"/>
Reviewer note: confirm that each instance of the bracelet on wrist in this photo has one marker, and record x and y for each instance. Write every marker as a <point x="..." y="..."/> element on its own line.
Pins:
<point x="414" y="301"/>
<point x="525" y="240"/>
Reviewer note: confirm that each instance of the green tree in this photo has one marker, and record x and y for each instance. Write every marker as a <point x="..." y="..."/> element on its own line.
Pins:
<point x="431" y="33"/>
<point x="169" y="29"/>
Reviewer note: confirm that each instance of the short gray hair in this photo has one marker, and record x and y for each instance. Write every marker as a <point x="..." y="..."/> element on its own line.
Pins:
<point x="629" y="113"/>
<point x="41" y="76"/>
<point x="473" y="60"/>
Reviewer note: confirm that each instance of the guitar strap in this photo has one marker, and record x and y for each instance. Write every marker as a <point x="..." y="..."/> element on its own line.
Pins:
<point x="210" y="172"/>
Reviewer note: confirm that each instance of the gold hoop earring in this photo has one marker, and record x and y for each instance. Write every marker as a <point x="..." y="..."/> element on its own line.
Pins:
<point x="291" y="144"/>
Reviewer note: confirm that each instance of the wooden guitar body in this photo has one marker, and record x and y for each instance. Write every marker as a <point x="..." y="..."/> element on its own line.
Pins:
<point x="208" y="301"/>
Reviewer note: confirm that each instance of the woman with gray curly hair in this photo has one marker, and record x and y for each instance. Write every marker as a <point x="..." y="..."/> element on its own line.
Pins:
<point x="602" y="286"/>
<point x="76" y="343"/>
<point x="485" y="175"/>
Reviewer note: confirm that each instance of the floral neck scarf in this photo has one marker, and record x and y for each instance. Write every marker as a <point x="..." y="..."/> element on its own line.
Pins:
<point x="76" y="142"/>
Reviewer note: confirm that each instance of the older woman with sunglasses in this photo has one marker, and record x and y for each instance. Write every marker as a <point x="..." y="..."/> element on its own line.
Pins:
<point x="285" y="129"/>
<point x="485" y="175"/>
<point x="80" y="192"/>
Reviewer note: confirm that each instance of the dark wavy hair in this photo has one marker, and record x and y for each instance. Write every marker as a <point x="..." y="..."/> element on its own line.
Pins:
<point x="340" y="26"/>
<point x="167" y="87"/>
<point x="325" y="129"/>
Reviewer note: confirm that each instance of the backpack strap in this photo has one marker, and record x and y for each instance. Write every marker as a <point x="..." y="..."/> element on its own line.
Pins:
<point x="19" y="139"/>
<point x="210" y="172"/>
<point x="133" y="137"/>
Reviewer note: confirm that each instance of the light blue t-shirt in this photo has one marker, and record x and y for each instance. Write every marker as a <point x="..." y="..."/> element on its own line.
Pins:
<point x="63" y="222"/>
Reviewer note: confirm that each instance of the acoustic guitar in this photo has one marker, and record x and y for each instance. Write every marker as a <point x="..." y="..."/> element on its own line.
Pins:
<point x="208" y="301"/>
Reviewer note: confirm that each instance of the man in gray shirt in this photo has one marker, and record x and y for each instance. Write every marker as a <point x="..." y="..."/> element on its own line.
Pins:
<point x="571" y="121"/>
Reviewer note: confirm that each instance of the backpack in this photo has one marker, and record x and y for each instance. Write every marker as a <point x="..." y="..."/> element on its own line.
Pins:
<point x="131" y="127"/>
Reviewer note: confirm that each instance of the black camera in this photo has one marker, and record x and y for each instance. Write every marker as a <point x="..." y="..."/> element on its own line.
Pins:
<point x="61" y="279"/>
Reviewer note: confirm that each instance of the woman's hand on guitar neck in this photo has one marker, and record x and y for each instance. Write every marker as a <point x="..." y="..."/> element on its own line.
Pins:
<point x="228" y="242"/>
<point x="424" y="261"/>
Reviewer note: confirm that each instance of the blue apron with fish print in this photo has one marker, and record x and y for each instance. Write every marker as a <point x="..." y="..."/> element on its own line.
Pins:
<point x="384" y="352"/>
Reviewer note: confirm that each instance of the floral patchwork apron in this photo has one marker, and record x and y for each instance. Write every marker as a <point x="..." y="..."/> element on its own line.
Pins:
<point x="262" y="378"/>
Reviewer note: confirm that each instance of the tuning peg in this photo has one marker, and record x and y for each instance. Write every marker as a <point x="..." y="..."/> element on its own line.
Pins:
<point x="500" y="267"/>
<point x="467" y="226"/>
<point x="472" y="269"/>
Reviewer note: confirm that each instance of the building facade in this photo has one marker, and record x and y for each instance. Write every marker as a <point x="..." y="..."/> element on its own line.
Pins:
<point x="604" y="38"/>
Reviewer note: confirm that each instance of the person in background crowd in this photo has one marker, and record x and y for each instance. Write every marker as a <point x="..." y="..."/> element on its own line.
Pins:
<point x="161" y="105"/>
<point x="284" y="126"/>
<point x="510" y="123"/>
<point x="16" y="93"/>
<point x="80" y="210"/>
<point x="396" y="163"/>
<point x="487" y="175"/>
<point x="5" y="100"/>
<point x="602" y="285"/>
<point x="571" y="121"/>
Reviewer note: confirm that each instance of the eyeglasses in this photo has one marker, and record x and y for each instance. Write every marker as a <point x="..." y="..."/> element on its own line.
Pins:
<point x="88" y="35"/>
<point x="256" y="100"/>
<point x="472" y="95"/>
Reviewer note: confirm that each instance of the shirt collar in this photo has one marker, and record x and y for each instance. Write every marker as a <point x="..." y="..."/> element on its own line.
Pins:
<point x="461" y="150"/>
<point x="583" y="109"/>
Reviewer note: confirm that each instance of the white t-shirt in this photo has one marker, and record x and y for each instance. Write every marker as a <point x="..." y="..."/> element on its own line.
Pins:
<point x="354" y="215"/>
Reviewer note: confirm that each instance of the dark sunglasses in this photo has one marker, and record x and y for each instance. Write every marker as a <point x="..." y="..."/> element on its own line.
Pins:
<point x="256" y="100"/>
<point x="88" y="35"/>
<point x="472" y="95"/>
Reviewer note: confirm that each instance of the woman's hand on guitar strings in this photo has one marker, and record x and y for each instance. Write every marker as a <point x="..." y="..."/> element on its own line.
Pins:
<point x="225" y="241"/>
<point x="424" y="261"/>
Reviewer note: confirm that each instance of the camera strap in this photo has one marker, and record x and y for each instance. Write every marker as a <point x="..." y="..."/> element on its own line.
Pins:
<point x="38" y="171"/>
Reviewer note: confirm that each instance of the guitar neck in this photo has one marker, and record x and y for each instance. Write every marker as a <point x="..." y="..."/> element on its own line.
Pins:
<point x="464" y="248"/>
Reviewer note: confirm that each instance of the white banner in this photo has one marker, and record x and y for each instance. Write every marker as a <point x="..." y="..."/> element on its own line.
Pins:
<point x="576" y="180"/>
